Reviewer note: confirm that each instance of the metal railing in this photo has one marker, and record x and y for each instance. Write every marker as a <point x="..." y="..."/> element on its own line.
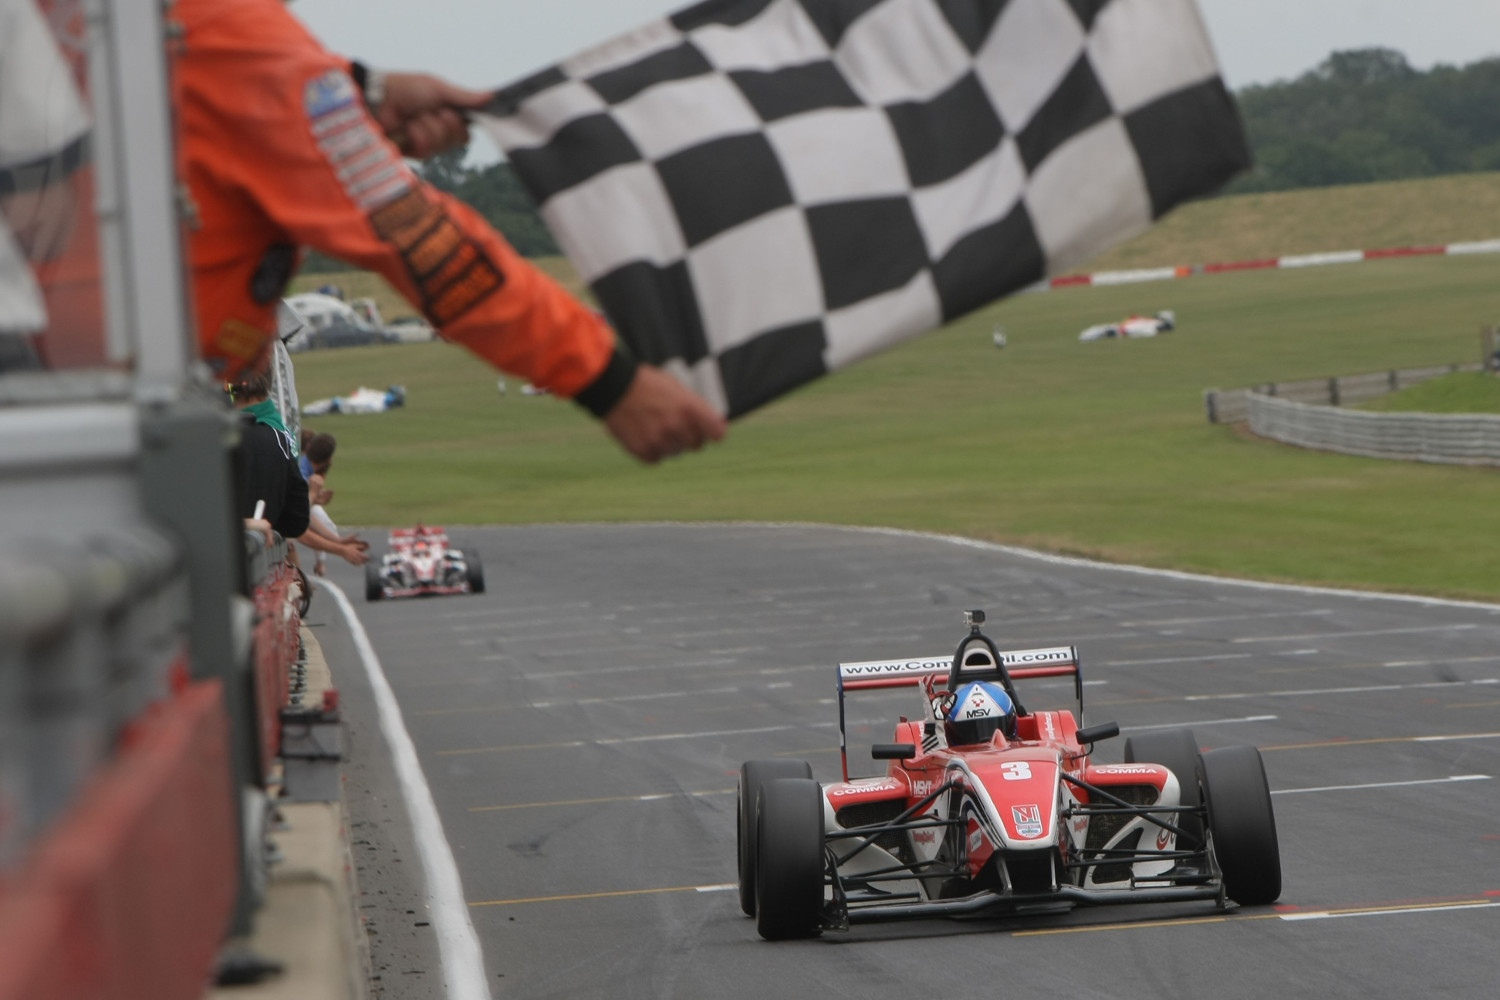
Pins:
<point x="1232" y="406"/>
<point x="1448" y="439"/>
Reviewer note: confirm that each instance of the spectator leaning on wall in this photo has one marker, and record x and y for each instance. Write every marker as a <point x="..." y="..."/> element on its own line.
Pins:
<point x="324" y="527"/>
<point x="265" y="463"/>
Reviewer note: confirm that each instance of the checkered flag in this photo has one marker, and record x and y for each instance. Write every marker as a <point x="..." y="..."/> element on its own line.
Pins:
<point x="762" y="191"/>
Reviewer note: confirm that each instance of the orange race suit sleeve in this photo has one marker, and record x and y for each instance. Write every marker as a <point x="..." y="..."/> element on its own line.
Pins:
<point x="280" y="152"/>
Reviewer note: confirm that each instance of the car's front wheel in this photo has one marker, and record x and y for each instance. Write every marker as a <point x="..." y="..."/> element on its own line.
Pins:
<point x="789" y="859"/>
<point x="1242" y="824"/>
<point x="1177" y="751"/>
<point x="374" y="584"/>
<point x="475" y="572"/>
<point x="754" y="774"/>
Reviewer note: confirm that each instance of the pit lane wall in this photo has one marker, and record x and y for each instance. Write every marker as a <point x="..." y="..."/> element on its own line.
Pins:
<point x="149" y="653"/>
<point x="118" y="839"/>
<point x="132" y="834"/>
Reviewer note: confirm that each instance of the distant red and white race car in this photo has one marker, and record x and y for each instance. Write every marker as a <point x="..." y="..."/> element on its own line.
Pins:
<point x="1132" y="327"/>
<point x="988" y="808"/>
<point x="420" y="564"/>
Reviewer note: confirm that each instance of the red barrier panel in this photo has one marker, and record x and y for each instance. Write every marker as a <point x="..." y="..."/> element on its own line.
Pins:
<point x="1241" y="265"/>
<point x="276" y="643"/>
<point x="129" y="897"/>
<point x="1076" y="279"/>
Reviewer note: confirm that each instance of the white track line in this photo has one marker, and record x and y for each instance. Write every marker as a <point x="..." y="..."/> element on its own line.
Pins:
<point x="622" y="699"/>
<point x="1347" y="635"/>
<point x="1229" y="618"/>
<point x="1392" y="912"/>
<point x="1211" y="658"/>
<point x="463" y="962"/>
<point x="1239" y="695"/>
<point x="1383" y="784"/>
<point x="1200" y="722"/>
<point x="1444" y="661"/>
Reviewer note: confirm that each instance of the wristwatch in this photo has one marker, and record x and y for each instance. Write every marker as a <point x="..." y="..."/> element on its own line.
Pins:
<point x="371" y="84"/>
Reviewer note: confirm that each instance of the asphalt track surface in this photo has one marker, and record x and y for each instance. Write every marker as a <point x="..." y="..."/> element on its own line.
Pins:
<point x="582" y="724"/>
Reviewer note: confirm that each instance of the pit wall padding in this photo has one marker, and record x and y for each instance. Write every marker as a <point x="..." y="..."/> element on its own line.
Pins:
<point x="129" y="896"/>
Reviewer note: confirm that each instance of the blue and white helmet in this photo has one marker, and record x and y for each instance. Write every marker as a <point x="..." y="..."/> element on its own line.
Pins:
<point x="978" y="709"/>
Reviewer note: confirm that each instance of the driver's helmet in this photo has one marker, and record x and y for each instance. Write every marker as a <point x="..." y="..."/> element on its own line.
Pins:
<point x="978" y="709"/>
<point x="420" y="548"/>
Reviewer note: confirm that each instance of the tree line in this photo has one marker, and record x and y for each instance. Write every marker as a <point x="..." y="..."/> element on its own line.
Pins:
<point x="1360" y="116"/>
<point x="1367" y="115"/>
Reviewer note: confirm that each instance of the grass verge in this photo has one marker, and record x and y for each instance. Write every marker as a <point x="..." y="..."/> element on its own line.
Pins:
<point x="1099" y="449"/>
<point x="1463" y="392"/>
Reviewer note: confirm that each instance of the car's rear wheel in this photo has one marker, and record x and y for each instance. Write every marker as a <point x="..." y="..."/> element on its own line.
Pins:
<point x="474" y="568"/>
<point x="789" y="859"/>
<point x="1176" y="750"/>
<point x="754" y="774"/>
<point x="374" y="585"/>
<point x="1243" y="824"/>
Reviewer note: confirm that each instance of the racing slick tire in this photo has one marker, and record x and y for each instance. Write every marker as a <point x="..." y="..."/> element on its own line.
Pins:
<point x="753" y="774"/>
<point x="1176" y="750"/>
<point x="789" y="859"/>
<point x="1242" y="824"/>
<point x="474" y="569"/>
<point x="374" y="585"/>
<point x="304" y="585"/>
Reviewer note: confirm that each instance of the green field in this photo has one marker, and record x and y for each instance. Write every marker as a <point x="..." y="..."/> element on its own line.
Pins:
<point x="1099" y="449"/>
<point x="1429" y="212"/>
<point x="1465" y="392"/>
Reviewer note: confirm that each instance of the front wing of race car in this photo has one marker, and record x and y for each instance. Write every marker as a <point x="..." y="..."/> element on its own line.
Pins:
<point x="387" y="581"/>
<point x="425" y="590"/>
<point x="868" y="883"/>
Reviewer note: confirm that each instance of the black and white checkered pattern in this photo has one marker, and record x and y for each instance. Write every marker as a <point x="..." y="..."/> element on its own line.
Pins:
<point x="761" y="191"/>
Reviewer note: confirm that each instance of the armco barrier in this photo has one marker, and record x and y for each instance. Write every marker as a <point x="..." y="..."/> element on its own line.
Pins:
<point x="1232" y="406"/>
<point x="1448" y="439"/>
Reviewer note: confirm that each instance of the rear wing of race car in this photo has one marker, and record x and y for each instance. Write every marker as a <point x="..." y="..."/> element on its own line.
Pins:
<point x="1020" y="664"/>
<point x="409" y="536"/>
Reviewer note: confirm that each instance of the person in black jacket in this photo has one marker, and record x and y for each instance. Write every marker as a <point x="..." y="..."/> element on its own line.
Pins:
<point x="265" y="462"/>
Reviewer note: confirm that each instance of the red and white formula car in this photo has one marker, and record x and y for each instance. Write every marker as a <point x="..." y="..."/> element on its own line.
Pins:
<point x="987" y="808"/>
<point x="1132" y="327"/>
<point x="420" y="564"/>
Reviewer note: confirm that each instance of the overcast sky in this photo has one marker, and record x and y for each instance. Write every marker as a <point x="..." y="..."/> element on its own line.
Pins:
<point x="489" y="43"/>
